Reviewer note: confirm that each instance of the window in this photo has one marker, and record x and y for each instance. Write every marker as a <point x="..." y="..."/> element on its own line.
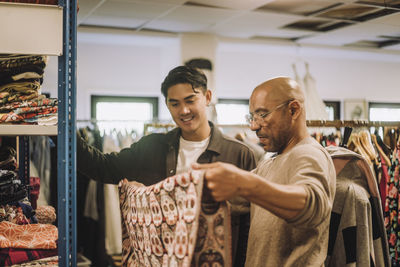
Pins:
<point x="333" y="109"/>
<point x="123" y="112"/>
<point x="384" y="111"/>
<point x="232" y="111"/>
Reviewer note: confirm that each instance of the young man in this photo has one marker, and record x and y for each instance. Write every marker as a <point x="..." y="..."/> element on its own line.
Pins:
<point x="292" y="193"/>
<point x="157" y="156"/>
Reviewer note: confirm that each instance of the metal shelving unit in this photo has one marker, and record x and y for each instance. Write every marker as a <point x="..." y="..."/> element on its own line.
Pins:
<point x="49" y="30"/>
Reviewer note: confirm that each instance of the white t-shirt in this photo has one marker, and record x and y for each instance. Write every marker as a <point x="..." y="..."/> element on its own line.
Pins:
<point x="189" y="152"/>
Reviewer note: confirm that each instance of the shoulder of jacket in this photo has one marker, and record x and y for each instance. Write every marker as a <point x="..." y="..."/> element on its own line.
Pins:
<point x="236" y="143"/>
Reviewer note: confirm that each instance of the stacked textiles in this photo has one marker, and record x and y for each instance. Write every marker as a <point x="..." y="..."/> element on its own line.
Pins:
<point x="21" y="77"/>
<point x="41" y="2"/>
<point x="11" y="188"/>
<point x="25" y="234"/>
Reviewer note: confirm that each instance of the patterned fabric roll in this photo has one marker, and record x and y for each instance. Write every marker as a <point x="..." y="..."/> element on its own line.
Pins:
<point x="174" y="223"/>
<point x="46" y="214"/>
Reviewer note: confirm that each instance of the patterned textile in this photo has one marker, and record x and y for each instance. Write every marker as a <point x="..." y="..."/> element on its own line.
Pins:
<point x="10" y="256"/>
<point x="49" y="262"/>
<point x="22" y="87"/>
<point x="46" y="214"/>
<point x="22" y="74"/>
<point x="24" y="114"/>
<point x="6" y="97"/>
<point x="392" y="207"/>
<point x="37" y="102"/>
<point x="11" y="189"/>
<point x="8" y="61"/>
<point x="32" y="236"/>
<point x="34" y="183"/>
<point x="174" y="223"/>
<point x="14" y="214"/>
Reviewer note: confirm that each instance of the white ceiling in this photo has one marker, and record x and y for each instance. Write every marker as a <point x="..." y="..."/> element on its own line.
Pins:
<point x="255" y="19"/>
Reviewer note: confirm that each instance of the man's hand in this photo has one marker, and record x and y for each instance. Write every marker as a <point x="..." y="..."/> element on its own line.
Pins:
<point x="222" y="179"/>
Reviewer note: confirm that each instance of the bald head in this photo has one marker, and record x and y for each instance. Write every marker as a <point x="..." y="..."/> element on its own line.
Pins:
<point x="280" y="89"/>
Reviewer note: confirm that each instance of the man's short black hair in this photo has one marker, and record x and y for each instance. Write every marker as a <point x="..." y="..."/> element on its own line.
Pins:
<point x="184" y="74"/>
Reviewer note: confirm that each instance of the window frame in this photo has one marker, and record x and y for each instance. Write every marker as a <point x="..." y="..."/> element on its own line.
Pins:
<point x="336" y="105"/>
<point x="94" y="99"/>
<point x="381" y="105"/>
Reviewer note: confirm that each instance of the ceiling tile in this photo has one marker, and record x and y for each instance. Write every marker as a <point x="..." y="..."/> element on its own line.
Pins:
<point x="108" y="21"/>
<point x="86" y="6"/>
<point x="298" y="7"/>
<point x="351" y="34"/>
<point x="348" y="12"/>
<point x="189" y="18"/>
<point x="255" y="23"/>
<point x="383" y="3"/>
<point x="129" y="9"/>
<point x="393" y="47"/>
<point x="393" y="20"/>
<point x="233" y="4"/>
<point x="174" y="2"/>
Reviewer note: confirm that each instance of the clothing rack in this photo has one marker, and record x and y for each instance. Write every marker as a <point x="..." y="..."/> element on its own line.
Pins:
<point x="310" y="123"/>
<point x="352" y="123"/>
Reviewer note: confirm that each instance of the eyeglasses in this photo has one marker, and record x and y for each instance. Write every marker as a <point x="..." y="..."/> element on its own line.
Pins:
<point x="261" y="116"/>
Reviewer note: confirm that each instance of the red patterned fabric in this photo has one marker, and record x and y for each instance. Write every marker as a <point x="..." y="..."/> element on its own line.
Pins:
<point x="34" y="182"/>
<point x="174" y="223"/>
<point x="10" y="256"/>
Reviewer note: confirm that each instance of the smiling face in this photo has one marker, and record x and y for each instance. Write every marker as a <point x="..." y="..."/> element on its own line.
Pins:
<point x="188" y="110"/>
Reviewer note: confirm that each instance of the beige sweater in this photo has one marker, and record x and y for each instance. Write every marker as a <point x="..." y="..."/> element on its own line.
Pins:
<point x="302" y="241"/>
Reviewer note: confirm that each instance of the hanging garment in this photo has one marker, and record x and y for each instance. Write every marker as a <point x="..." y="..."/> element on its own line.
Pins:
<point x="113" y="242"/>
<point x="33" y="236"/>
<point x="315" y="107"/>
<point x="177" y="214"/>
<point x="392" y="207"/>
<point x="357" y="235"/>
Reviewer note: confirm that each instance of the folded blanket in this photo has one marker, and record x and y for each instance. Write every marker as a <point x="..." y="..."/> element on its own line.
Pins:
<point x="32" y="236"/>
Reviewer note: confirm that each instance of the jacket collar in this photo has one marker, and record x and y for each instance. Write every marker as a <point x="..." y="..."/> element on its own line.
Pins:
<point x="215" y="144"/>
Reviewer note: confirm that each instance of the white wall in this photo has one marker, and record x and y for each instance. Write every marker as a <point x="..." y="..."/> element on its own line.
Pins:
<point x="122" y="63"/>
<point x="118" y="64"/>
<point x="339" y="74"/>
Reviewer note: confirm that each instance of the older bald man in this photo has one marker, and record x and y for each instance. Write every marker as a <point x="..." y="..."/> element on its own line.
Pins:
<point x="291" y="194"/>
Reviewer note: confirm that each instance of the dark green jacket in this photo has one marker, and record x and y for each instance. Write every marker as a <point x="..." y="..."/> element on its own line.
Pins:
<point x="154" y="157"/>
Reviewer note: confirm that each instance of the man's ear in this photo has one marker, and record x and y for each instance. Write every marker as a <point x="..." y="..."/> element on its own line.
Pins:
<point x="208" y="95"/>
<point x="295" y="108"/>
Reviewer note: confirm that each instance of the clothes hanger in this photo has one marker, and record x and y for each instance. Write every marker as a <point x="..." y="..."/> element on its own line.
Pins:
<point x="355" y="145"/>
<point x="381" y="152"/>
<point x="365" y="140"/>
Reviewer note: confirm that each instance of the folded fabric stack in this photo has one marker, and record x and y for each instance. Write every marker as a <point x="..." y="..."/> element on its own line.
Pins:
<point x="42" y="2"/>
<point x="11" y="188"/>
<point x="21" y="77"/>
<point x="22" y="238"/>
<point x="26" y="243"/>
